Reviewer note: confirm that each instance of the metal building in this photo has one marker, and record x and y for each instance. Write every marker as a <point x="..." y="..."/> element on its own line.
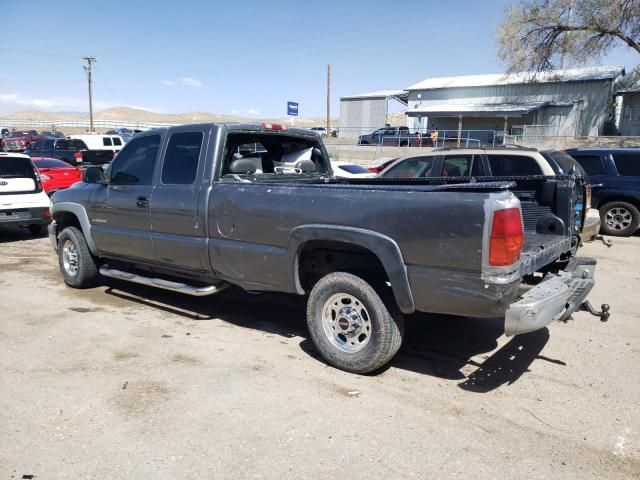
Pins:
<point x="361" y="114"/>
<point x="572" y="102"/>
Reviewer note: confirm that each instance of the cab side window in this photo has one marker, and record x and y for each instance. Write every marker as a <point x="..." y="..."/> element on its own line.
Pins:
<point x="628" y="165"/>
<point x="513" y="165"/>
<point x="457" y="165"/>
<point x="106" y="141"/>
<point x="592" y="164"/>
<point x="134" y="165"/>
<point x="411" y="168"/>
<point x="181" y="160"/>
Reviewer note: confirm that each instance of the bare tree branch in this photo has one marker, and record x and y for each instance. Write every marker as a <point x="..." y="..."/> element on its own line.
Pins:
<point x="541" y="35"/>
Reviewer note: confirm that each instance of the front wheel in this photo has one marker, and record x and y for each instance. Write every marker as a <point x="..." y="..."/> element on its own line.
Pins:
<point x="77" y="265"/>
<point x="619" y="218"/>
<point x="350" y="325"/>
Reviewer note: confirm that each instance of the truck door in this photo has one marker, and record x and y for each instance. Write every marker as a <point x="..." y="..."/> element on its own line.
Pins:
<point x="177" y="208"/>
<point x="120" y="217"/>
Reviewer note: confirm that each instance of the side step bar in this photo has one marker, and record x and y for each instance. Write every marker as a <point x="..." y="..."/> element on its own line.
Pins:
<point x="166" y="284"/>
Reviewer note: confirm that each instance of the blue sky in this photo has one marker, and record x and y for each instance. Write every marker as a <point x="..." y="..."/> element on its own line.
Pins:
<point x="246" y="57"/>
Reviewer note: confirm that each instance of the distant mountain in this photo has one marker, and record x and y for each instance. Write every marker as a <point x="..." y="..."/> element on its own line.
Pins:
<point x="138" y="115"/>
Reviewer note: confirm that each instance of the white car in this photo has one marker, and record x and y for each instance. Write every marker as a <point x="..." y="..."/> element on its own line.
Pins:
<point x="23" y="201"/>
<point x="350" y="170"/>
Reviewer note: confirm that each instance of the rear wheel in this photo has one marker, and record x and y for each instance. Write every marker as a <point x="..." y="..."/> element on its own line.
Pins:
<point x="77" y="265"/>
<point x="350" y="325"/>
<point x="619" y="218"/>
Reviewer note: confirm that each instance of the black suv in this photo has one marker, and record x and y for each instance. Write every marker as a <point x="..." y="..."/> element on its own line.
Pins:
<point x="615" y="177"/>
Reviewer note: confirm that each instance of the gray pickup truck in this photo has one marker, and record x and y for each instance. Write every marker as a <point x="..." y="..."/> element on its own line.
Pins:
<point x="196" y="208"/>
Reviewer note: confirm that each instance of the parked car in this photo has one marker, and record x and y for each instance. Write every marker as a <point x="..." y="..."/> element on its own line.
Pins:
<point x="56" y="174"/>
<point x="52" y="134"/>
<point x="615" y="177"/>
<point x="349" y="170"/>
<point x="23" y="201"/>
<point x="123" y="133"/>
<point x="277" y="220"/>
<point x="4" y="132"/>
<point x="391" y="136"/>
<point x="518" y="164"/>
<point x="18" y="141"/>
<point x="71" y="151"/>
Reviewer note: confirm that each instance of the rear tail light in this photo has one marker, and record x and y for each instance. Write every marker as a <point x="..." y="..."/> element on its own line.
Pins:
<point x="507" y="237"/>
<point x="272" y="126"/>
<point x="47" y="212"/>
<point x="78" y="157"/>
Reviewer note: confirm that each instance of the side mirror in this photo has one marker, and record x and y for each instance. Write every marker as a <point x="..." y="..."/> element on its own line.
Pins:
<point x="93" y="175"/>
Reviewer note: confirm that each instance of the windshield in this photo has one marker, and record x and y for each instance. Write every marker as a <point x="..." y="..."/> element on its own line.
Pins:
<point x="19" y="134"/>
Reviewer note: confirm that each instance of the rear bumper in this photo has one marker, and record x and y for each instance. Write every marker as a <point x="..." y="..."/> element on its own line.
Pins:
<point x="25" y="216"/>
<point x="555" y="298"/>
<point x="591" y="225"/>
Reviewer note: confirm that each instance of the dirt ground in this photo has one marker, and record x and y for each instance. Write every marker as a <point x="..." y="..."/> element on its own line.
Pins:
<point x="135" y="383"/>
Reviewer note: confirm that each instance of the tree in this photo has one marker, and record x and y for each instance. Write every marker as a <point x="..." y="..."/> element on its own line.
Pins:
<point x="540" y="35"/>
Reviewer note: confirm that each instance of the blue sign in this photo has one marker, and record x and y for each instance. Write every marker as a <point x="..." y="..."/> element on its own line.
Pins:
<point x="292" y="109"/>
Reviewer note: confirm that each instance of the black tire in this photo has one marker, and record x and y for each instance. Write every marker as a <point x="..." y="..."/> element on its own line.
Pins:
<point x="385" y="324"/>
<point x="37" y="230"/>
<point x="86" y="273"/>
<point x="619" y="219"/>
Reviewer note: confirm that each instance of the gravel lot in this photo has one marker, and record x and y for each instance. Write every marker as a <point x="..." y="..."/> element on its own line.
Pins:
<point x="135" y="383"/>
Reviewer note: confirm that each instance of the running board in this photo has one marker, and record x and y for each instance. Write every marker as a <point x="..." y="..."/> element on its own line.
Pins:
<point x="166" y="284"/>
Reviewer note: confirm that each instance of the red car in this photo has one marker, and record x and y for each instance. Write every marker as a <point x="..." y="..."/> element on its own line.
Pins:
<point x="381" y="166"/>
<point x="56" y="174"/>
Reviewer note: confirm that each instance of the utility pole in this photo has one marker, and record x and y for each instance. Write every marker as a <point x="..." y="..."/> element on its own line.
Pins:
<point x="87" y="69"/>
<point x="328" y="100"/>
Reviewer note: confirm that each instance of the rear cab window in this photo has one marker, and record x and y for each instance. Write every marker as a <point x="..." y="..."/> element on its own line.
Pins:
<point x="627" y="164"/>
<point x="513" y="165"/>
<point x="262" y="155"/>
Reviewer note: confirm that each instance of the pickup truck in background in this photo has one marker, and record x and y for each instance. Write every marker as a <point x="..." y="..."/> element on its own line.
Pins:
<point x="614" y="174"/>
<point x="391" y="136"/>
<point x="18" y="141"/>
<point x="73" y="151"/>
<point x="196" y="208"/>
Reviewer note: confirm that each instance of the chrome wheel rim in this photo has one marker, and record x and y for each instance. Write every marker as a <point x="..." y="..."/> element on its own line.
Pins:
<point x="70" y="258"/>
<point x="346" y="323"/>
<point x="618" y="218"/>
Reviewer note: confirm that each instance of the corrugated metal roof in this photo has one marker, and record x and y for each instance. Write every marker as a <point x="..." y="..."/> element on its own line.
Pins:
<point x="378" y="94"/>
<point x="567" y="75"/>
<point x="474" y="109"/>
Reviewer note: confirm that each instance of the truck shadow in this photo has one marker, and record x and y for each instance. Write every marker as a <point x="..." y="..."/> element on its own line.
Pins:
<point x="16" y="234"/>
<point x="436" y="345"/>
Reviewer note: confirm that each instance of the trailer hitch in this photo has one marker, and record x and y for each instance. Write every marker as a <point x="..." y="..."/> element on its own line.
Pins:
<point x="606" y="241"/>
<point x="603" y="314"/>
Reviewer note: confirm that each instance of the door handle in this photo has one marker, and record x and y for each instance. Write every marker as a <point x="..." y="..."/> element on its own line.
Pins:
<point x="142" y="202"/>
